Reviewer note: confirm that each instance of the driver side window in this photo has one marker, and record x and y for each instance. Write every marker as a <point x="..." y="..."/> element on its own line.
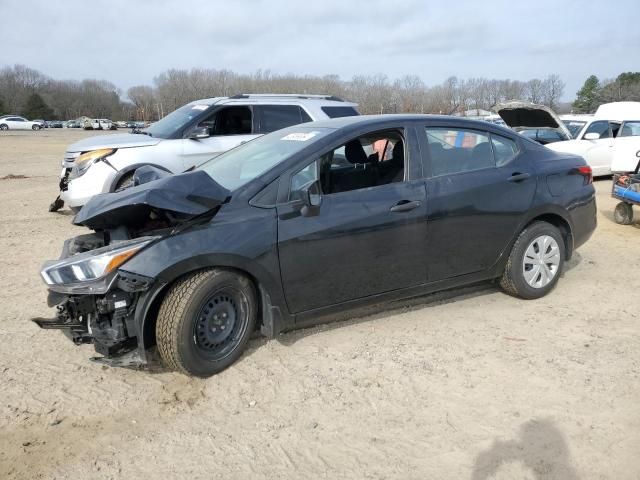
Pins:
<point x="601" y="127"/>
<point x="302" y="179"/>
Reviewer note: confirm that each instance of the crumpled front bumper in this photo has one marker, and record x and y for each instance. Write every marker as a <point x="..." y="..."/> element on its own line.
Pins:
<point x="107" y="321"/>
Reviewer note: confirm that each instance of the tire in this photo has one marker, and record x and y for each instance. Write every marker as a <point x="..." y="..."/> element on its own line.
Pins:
<point x="623" y="213"/>
<point x="35" y="127"/>
<point x="523" y="275"/>
<point x="193" y="317"/>
<point x="125" y="182"/>
<point x="4" y="126"/>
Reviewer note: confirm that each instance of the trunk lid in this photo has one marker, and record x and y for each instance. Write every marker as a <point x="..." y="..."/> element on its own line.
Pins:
<point x="525" y="115"/>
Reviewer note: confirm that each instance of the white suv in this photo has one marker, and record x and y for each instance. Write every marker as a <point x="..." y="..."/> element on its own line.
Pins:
<point x="183" y="139"/>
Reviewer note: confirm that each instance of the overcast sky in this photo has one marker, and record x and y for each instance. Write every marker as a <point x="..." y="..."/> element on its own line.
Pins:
<point x="129" y="42"/>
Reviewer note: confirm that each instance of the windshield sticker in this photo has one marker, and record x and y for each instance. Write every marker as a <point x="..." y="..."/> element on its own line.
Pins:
<point x="199" y="107"/>
<point x="299" y="137"/>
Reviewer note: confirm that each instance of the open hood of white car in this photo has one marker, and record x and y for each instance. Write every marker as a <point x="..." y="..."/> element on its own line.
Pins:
<point x="113" y="141"/>
<point x="525" y="115"/>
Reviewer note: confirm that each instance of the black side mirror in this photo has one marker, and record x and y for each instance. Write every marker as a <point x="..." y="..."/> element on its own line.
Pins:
<point x="310" y="199"/>
<point x="199" y="132"/>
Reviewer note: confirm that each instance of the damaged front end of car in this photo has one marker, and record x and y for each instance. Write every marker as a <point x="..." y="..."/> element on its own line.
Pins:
<point x="96" y="298"/>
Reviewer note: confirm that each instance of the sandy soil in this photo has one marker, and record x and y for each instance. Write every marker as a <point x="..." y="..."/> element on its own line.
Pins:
<point x="472" y="384"/>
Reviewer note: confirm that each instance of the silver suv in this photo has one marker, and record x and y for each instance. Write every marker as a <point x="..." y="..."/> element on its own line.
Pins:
<point x="183" y="139"/>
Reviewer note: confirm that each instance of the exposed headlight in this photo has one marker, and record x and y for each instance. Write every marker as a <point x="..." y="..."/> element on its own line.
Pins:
<point x="84" y="161"/>
<point x="91" y="266"/>
<point x="638" y="154"/>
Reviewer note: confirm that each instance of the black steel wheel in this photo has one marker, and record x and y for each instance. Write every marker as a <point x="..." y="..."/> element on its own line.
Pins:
<point x="205" y="321"/>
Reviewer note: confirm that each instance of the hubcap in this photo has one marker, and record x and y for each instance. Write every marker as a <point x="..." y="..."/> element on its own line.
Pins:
<point x="541" y="261"/>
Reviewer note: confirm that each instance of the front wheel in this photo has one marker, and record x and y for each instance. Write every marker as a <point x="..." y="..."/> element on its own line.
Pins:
<point x="623" y="213"/>
<point x="535" y="263"/>
<point x="205" y="321"/>
<point x="4" y="126"/>
<point x="125" y="182"/>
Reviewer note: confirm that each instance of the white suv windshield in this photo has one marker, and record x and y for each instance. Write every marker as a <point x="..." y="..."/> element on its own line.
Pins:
<point x="250" y="160"/>
<point x="176" y="120"/>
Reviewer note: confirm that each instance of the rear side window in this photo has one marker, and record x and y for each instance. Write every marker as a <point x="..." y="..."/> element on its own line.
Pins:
<point x="456" y="150"/>
<point x="504" y="149"/>
<point x="600" y="127"/>
<point x="630" y="129"/>
<point x="336" y="112"/>
<point x="276" y="117"/>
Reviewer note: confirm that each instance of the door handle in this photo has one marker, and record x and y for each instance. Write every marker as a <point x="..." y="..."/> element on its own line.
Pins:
<point x="404" y="206"/>
<point x="518" y="177"/>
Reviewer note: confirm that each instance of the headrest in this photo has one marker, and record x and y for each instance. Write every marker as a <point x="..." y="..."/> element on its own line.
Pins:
<point x="354" y="152"/>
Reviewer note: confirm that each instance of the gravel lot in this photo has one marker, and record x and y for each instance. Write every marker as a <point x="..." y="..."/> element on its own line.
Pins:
<point x="472" y="384"/>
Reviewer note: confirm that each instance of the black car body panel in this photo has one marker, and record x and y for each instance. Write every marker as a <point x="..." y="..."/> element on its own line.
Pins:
<point x="357" y="248"/>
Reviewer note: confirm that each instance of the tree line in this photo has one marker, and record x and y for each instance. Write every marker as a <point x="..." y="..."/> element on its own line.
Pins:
<point x="26" y="91"/>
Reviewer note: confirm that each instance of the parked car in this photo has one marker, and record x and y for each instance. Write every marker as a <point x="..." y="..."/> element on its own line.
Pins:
<point x="20" y="123"/>
<point x="56" y="124"/>
<point x="97" y="124"/>
<point x="185" y="138"/>
<point x="598" y="141"/>
<point x="288" y="229"/>
<point x="73" y="124"/>
<point x="121" y="124"/>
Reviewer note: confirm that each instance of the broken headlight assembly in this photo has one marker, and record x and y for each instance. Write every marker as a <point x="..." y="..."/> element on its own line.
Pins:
<point x="84" y="161"/>
<point x="91" y="272"/>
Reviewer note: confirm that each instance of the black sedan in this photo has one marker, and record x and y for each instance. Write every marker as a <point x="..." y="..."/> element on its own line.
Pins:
<point x="299" y="224"/>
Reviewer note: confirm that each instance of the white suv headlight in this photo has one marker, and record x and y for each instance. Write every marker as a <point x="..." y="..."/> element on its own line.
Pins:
<point x="84" y="161"/>
<point x="93" y="265"/>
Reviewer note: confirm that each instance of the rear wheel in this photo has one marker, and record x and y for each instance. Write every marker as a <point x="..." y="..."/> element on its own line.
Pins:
<point x="535" y="263"/>
<point x="205" y="322"/>
<point x="623" y="213"/>
<point x="35" y="127"/>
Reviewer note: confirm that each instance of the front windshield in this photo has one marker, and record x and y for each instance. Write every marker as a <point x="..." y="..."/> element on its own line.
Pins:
<point x="574" y="127"/>
<point x="250" y="160"/>
<point x="176" y="120"/>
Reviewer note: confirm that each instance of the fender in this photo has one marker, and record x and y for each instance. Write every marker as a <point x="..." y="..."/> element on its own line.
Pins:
<point x="532" y="214"/>
<point x="132" y="168"/>
<point x="272" y="308"/>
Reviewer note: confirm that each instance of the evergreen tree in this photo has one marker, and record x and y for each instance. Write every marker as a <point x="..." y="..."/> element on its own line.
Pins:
<point x="2" y="107"/>
<point x="586" y="100"/>
<point x="37" y="108"/>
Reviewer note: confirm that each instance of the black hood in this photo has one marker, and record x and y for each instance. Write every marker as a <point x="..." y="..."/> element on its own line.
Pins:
<point x="181" y="196"/>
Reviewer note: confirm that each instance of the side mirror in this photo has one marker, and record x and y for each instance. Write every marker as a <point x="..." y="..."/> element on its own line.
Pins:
<point x="310" y="199"/>
<point x="591" y="136"/>
<point x="198" y="133"/>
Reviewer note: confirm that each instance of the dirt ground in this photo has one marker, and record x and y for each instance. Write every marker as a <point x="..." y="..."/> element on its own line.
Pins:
<point x="472" y="384"/>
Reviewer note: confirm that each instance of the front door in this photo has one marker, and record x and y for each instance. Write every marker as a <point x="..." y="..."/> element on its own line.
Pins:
<point x="369" y="234"/>
<point x="479" y="188"/>
<point x="228" y="128"/>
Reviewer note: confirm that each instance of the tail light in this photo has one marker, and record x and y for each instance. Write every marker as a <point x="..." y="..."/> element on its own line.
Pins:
<point x="587" y="173"/>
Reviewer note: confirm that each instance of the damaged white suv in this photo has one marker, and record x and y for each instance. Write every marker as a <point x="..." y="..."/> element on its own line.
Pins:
<point x="183" y="139"/>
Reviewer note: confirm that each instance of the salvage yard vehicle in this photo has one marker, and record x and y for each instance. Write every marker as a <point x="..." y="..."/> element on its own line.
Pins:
<point x="183" y="139"/>
<point x="607" y="134"/>
<point x="19" y="123"/>
<point x="305" y="222"/>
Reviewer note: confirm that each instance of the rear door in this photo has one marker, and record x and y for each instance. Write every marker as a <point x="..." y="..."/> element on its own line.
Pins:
<point x="368" y="236"/>
<point x="479" y="187"/>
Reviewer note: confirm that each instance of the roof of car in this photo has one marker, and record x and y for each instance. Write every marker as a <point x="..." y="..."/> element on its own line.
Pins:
<point x="401" y="117"/>
<point x="275" y="97"/>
